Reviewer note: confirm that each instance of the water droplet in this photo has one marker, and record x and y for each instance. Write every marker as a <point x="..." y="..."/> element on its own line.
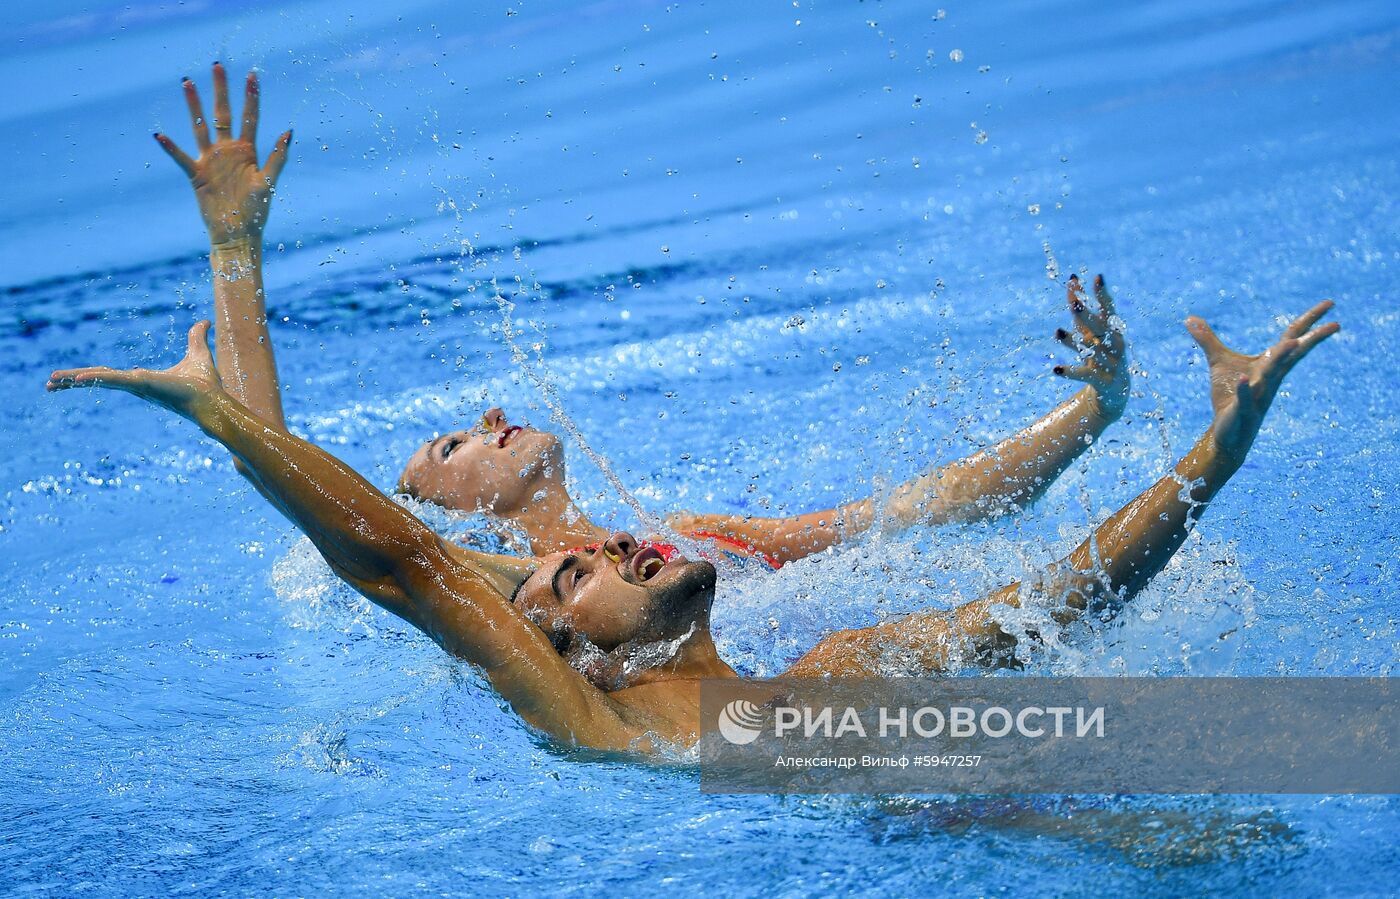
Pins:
<point x="956" y="56"/>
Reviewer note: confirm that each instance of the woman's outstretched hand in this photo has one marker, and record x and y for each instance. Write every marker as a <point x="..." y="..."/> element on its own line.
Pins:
<point x="1242" y="387"/>
<point x="234" y="194"/>
<point x="1102" y="349"/>
<point x="183" y="388"/>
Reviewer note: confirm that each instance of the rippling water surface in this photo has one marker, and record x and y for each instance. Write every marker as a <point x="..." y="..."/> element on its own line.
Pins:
<point x="770" y="256"/>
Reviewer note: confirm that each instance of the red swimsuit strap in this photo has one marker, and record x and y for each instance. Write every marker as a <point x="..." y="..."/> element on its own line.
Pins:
<point x="668" y="550"/>
<point x="747" y="549"/>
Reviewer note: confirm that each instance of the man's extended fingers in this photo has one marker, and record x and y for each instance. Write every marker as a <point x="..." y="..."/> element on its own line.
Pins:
<point x="1305" y="321"/>
<point x="1204" y="336"/>
<point x="96" y="376"/>
<point x="278" y="157"/>
<point x="181" y="158"/>
<point x="1313" y="338"/>
<point x="198" y="341"/>
<point x="1280" y="358"/>
<point x="223" y="113"/>
<point x="201" y="127"/>
<point x="250" y="109"/>
<point x="1067" y="339"/>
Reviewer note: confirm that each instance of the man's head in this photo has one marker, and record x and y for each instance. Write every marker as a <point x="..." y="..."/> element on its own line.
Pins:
<point x="496" y="468"/>
<point x="616" y="595"/>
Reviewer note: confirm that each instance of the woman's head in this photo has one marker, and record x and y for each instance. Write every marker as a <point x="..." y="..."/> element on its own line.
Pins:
<point x="497" y="468"/>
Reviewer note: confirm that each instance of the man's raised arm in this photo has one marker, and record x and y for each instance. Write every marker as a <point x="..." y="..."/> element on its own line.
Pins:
<point x="1123" y="553"/>
<point x="379" y="548"/>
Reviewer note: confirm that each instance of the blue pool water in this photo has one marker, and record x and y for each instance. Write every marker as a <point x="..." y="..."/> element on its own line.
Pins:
<point x="769" y="256"/>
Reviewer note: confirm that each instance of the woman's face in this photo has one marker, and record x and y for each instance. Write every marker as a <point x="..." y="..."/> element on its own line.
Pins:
<point x="496" y="467"/>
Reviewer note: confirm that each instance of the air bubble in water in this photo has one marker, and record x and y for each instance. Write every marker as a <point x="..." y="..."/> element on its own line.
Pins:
<point x="1052" y="268"/>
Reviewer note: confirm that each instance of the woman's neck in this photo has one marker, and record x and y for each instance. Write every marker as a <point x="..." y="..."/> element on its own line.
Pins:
<point x="555" y="523"/>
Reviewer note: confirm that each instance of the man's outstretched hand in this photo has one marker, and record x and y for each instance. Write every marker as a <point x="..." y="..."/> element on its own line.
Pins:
<point x="1242" y="387"/>
<point x="1103" y="352"/>
<point x="233" y="192"/>
<point x="183" y="388"/>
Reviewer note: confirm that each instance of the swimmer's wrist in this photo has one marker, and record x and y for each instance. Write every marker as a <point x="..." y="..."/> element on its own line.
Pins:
<point x="1104" y="408"/>
<point x="236" y="258"/>
<point x="211" y="410"/>
<point x="1210" y="463"/>
<point x="242" y="244"/>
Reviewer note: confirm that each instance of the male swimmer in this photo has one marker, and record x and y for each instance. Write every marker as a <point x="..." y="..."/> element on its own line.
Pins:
<point x="517" y="474"/>
<point x="520" y="622"/>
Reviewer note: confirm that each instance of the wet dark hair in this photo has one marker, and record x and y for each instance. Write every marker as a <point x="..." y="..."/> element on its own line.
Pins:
<point x="518" y="587"/>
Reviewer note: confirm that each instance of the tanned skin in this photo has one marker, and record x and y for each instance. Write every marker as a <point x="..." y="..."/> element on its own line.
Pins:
<point x="617" y="598"/>
<point x="621" y="598"/>
<point x="234" y="196"/>
<point x="480" y="470"/>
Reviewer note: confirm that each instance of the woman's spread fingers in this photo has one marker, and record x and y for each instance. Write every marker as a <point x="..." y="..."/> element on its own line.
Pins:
<point x="1089" y="324"/>
<point x="223" y="113"/>
<point x="1104" y="297"/>
<point x="201" y="127"/>
<point x="250" y="109"/>
<point x="272" y="170"/>
<point x="1084" y="371"/>
<point x="181" y="158"/>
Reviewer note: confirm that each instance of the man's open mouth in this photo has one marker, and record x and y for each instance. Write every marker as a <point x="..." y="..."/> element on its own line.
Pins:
<point x="504" y="437"/>
<point x="647" y="563"/>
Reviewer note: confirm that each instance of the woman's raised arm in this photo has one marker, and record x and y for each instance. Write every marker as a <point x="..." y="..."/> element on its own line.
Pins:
<point x="235" y="196"/>
<point x="1010" y="474"/>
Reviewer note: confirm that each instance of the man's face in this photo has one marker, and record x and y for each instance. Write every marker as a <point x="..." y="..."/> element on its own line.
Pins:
<point x="618" y="593"/>
<point x="496" y="468"/>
